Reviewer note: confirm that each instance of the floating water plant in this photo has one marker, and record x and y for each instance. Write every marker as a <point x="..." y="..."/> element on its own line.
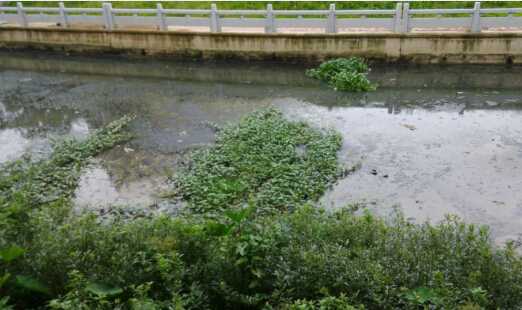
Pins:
<point x="344" y="74"/>
<point x="265" y="159"/>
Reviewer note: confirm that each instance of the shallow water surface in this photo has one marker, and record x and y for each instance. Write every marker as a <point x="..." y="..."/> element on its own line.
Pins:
<point x="430" y="141"/>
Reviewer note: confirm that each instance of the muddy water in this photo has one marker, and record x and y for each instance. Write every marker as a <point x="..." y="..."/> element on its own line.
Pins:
<point x="430" y="141"/>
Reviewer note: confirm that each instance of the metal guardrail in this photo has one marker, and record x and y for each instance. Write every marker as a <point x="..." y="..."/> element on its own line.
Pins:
<point x="402" y="19"/>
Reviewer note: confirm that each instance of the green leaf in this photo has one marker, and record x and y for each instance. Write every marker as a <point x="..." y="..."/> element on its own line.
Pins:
<point x="4" y="279"/>
<point x="241" y="249"/>
<point x="235" y="216"/>
<point x="422" y="295"/>
<point x="258" y="272"/>
<point x="238" y="215"/>
<point x="218" y="229"/>
<point x="11" y="253"/>
<point x="101" y="289"/>
<point x="32" y="284"/>
<point x="143" y="305"/>
<point x="4" y="305"/>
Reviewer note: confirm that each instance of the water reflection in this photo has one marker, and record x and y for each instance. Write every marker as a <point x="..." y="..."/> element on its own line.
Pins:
<point x="429" y="163"/>
<point x="97" y="190"/>
<point x="13" y="144"/>
<point x="79" y="128"/>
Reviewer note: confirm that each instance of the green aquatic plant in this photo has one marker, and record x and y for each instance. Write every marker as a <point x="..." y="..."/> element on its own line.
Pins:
<point x="267" y="160"/>
<point x="56" y="177"/>
<point x="344" y="74"/>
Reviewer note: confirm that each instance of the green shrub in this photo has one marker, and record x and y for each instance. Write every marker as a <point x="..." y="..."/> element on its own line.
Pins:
<point x="287" y="260"/>
<point x="265" y="159"/>
<point x="327" y="303"/>
<point x="86" y="264"/>
<point x="344" y="74"/>
<point x="309" y="254"/>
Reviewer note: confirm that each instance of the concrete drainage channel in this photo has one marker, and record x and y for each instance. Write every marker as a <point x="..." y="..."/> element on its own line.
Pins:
<point x="420" y="143"/>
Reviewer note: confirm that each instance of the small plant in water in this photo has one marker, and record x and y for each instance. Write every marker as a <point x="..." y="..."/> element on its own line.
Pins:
<point x="344" y="74"/>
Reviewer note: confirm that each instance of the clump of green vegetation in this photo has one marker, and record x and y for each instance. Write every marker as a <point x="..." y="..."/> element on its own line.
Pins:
<point x="239" y="259"/>
<point x="56" y="177"/>
<point x="286" y="261"/>
<point x="326" y="303"/>
<point x="266" y="160"/>
<point x="344" y="74"/>
<point x="26" y="186"/>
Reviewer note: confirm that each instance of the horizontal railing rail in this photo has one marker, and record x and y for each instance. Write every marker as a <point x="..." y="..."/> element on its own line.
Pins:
<point x="401" y="19"/>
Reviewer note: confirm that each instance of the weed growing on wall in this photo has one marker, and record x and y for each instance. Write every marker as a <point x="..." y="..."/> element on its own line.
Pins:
<point x="266" y="160"/>
<point x="344" y="74"/>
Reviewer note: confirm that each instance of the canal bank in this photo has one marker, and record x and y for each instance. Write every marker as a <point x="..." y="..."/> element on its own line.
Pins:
<point x="433" y="47"/>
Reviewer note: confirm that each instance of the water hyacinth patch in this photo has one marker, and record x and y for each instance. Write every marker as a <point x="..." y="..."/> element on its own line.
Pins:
<point x="344" y="74"/>
<point x="267" y="160"/>
<point x="56" y="177"/>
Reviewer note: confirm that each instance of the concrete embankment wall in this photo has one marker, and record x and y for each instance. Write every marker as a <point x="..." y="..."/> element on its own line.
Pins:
<point x="412" y="47"/>
<point x="256" y="73"/>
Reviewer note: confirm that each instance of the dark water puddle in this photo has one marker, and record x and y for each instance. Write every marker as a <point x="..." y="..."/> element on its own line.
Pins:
<point x="429" y="141"/>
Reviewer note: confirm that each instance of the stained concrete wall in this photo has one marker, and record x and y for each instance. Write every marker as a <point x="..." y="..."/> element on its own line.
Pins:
<point x="292" y="75"/>
<point x="411" y="47"/>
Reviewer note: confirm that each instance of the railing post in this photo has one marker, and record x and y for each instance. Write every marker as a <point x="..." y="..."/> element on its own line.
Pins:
<point x="397" y="19"/>
<point x="475" y="21"/>
<point x="270" y="21"/>
<point x="214" y="19"/>
<point x="331" y="26"/>
<point x="63" y="15"/>
<point x="406" y="17"/>
<point x="161" y="16"/>
<point x="21" y="15"/>
<point x="107" y="13"/>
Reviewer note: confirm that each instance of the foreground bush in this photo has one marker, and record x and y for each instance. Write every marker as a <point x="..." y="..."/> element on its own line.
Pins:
<point x="239" y="258"/>
<point x="286" y="261"/>
<point x="344" y="74"/>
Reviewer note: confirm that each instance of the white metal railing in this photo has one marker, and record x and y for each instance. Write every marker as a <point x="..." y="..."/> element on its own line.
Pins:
<point x="401" y="19"/>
